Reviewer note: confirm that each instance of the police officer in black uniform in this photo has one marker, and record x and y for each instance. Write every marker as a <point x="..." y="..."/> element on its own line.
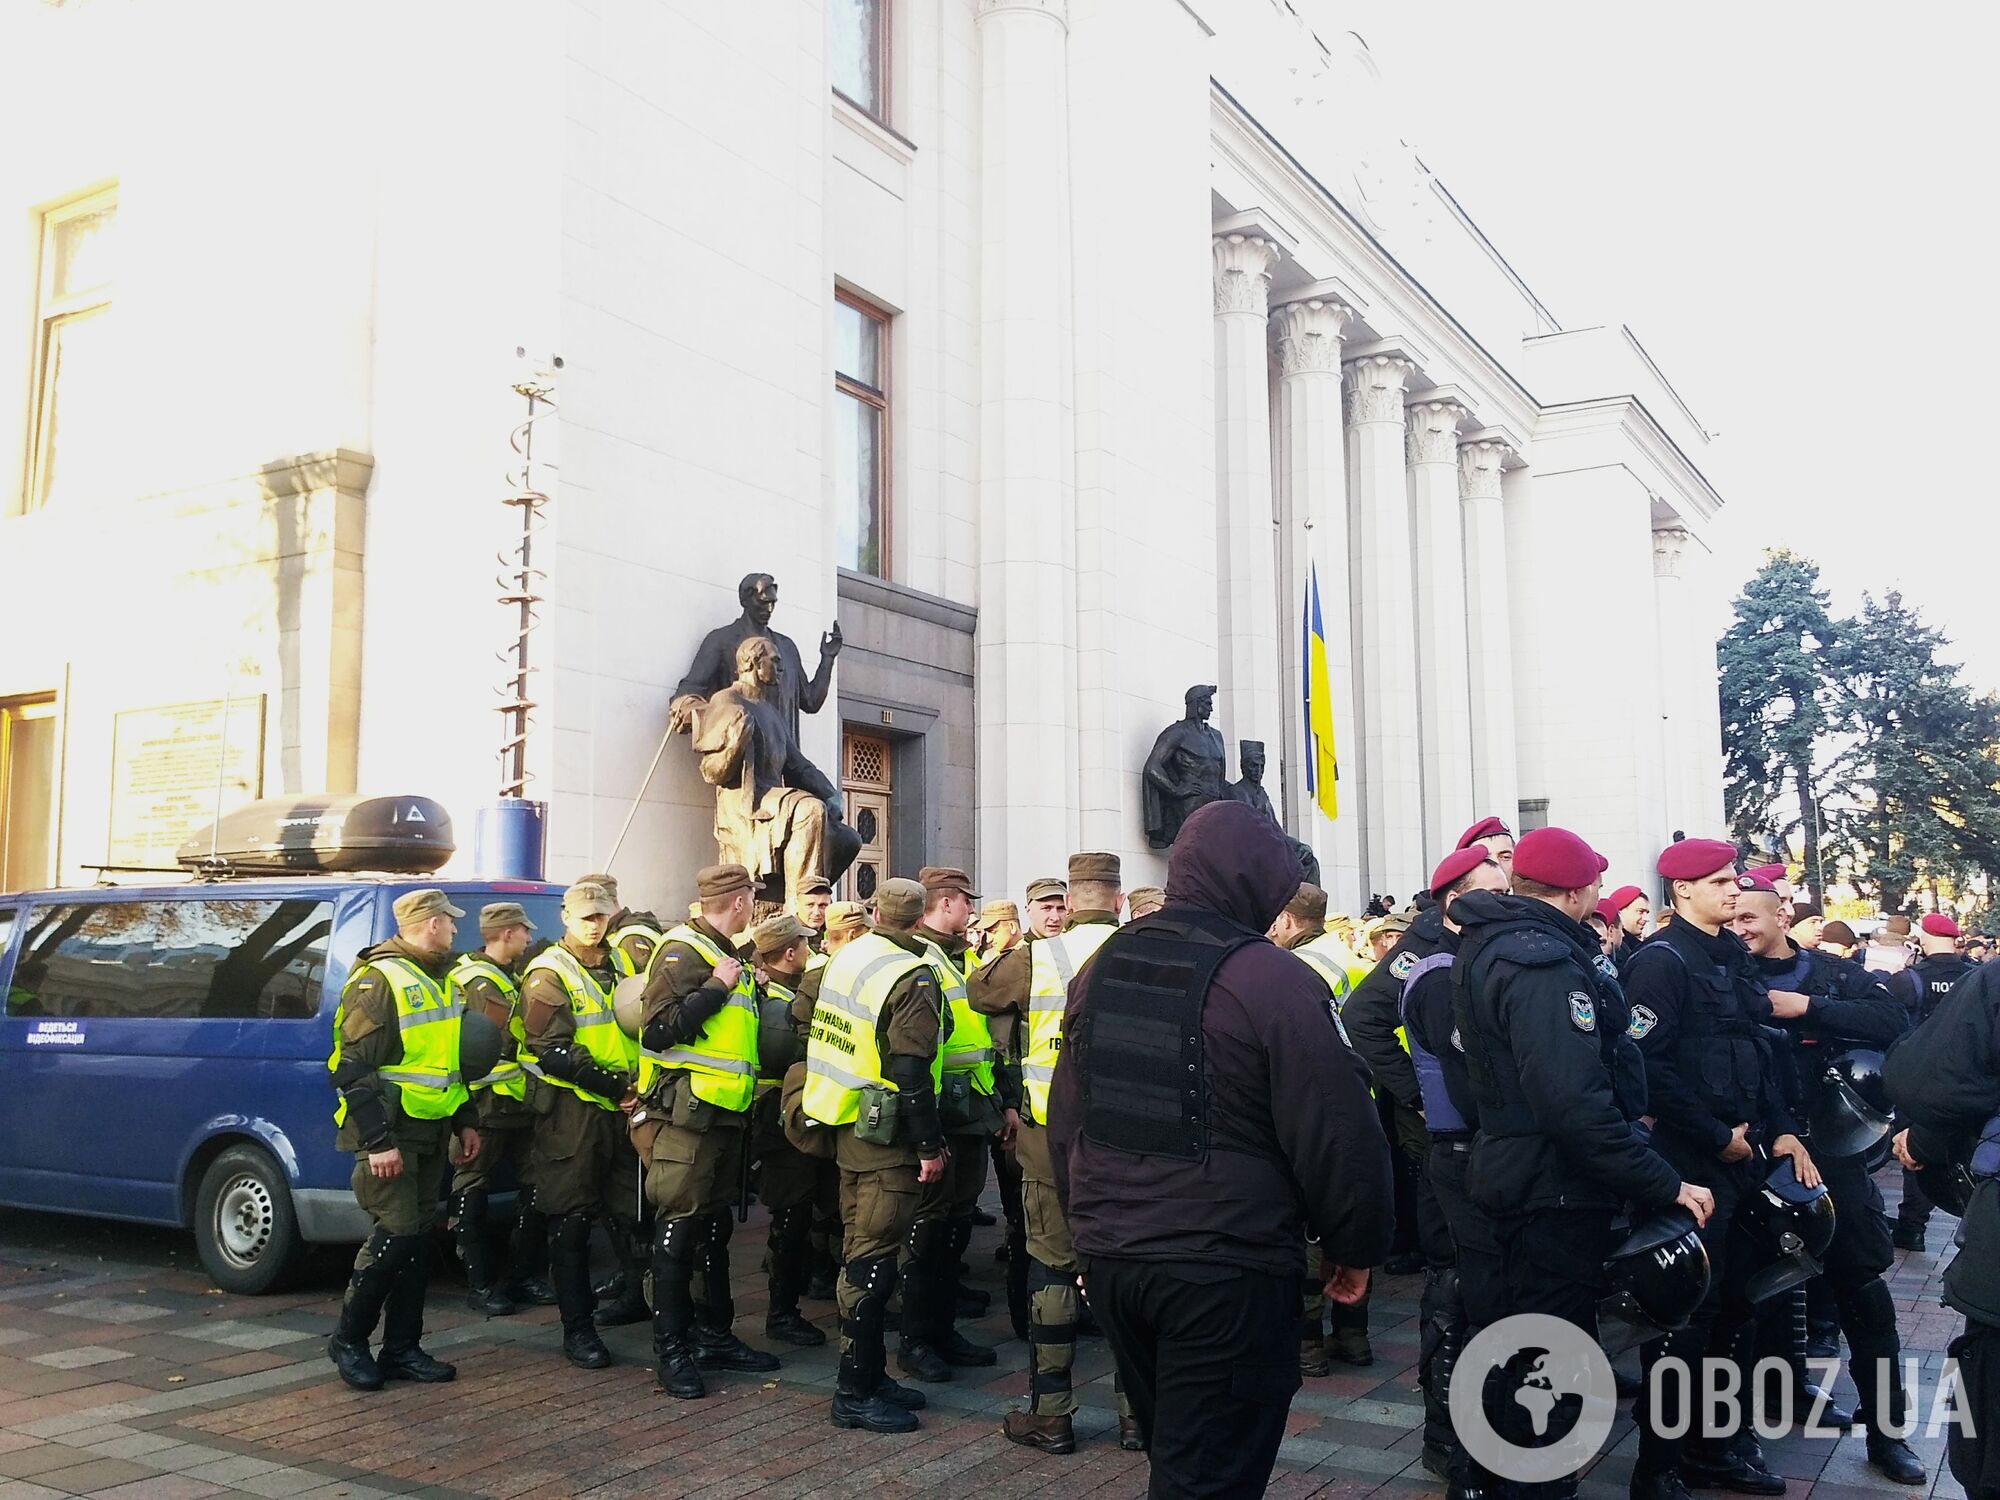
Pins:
<point x="1699" y="1006"/>
<point x="1923" y="987"/>
<point x="1451" y="1116"/>
<point x="1825" y="1003"/>
<point x="1555" y="1155"/>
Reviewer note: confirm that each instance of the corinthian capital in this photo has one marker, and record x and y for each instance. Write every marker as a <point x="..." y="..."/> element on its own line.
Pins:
<point x="1480" y="465"/>
<point x="1309" y="336"/>
<point x="1432" y="434"/>
<point x="1670" y="544"/>
<point x="1243" y="273"/>
<point x="1375" y="386"/>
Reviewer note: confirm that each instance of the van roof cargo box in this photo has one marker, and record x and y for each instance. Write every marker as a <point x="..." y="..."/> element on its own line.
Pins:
<point x="325" y="835"/>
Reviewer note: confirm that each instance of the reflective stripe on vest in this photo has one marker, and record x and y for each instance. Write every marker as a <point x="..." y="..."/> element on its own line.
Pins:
<point x="622" y="961"/>
<point x="590" y="1011"/>
<point x="969" y="1047"/>
<point x="722" y="1062"/>
<point x="427" y="1014"/>
<point x="1053" y="964"/>
<point x="1440" y="1114"/>
<point x="508" y="1078"/>
<point x="842" y="1055"/>
<point x="1328" y="957"/>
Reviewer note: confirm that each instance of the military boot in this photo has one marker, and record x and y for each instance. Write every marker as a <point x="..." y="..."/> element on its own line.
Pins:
<point x="1049" y="1434"/>
<point x="716" y="1346"/>
<point x="402" y="1356"/>
<point x="674" y="1249"/>
<point x="790" y="1256"/>
<point x="916" y="1355"/>
<point x="864" y="1396"/>
<point x="569" y="1269"/>
<point x="368" y="1291"/>
<point x="467" y="1211"/>
<point x="627" y="1302"/>
<point x="528" y="1254"/>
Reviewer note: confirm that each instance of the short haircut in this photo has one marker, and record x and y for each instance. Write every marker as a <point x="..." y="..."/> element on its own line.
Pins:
<point x="1093" y="895"/>
<point x="1524" y="886"/>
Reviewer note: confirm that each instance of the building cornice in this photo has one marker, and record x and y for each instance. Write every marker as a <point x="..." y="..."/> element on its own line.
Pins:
<point x="1678" y="481"/>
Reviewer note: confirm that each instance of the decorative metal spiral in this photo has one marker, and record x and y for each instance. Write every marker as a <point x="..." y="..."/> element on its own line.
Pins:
<point x="519" y="579"/>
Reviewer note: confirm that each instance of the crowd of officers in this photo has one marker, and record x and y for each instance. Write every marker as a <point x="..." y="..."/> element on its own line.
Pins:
<point x="1557" y="1082"/>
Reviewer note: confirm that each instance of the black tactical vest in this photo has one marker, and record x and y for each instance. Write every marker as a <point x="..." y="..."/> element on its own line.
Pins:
<point x="1139" y="1042"/>
<point x="1720" y="1051"/>
<point x="1936" y="976"/>
<point x="1477" y="978"/>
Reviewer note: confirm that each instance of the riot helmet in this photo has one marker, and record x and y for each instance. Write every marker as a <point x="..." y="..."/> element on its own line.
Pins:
<point x="480" y="1043"/>
<point x="1657" y="1277"/>
<point x="628" y="1004"/>
<point x="1791" y="1225"/>
<point x="1949" y="1186"/>
<point x="1850" y="1109"/>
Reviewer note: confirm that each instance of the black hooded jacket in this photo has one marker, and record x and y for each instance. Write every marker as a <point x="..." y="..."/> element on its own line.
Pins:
<point x="1295" y="1141"/>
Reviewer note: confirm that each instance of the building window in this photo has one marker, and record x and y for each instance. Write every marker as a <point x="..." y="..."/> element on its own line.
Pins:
<point x="70" y="428"/>
<point x="861" y="54"/>
<point x="861" y="435"/>
<point x="27" y="793"/>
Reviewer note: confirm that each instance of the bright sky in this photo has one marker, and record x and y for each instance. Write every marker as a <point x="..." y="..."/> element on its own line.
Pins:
<point x="1793" y="208"/>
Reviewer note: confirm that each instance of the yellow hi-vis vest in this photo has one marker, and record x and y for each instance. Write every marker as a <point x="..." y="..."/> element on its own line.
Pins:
<point x="722" y="1063"/>
<point x="508" y="1077"/>
<point x="969" y="1047"/>
<point x="623" y="961"/>
<point x="1054" y="961"/>
<point x="842" y="1055"/>
<point x="427" y="1013"/>
<point x="596" y="1026"/>
<point x="1331" y="959"/>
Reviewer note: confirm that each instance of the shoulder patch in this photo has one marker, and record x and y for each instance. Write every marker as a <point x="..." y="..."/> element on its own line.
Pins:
<point x="1582" y="1011"/>
<point x="1643" y="1021"/>
<point x="1400" y="969"/>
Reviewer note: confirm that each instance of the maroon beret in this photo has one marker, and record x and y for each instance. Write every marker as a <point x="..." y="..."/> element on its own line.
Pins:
<point x="1691" y="859"/>
<point x="1485" y="828"/>
<point x="1607" y="911"/>
<point x="1772" y="873"/>
<point x="1755" y="880"/>
<point x="1457" y="865"/>
<point x="1623" y="897"/>
<point x="1937" y="924"/>
<point x="1556" y="857"/>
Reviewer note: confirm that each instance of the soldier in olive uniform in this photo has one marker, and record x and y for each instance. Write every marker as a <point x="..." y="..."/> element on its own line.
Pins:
<point x="697" y="1081"/>
<point x="583" y="1066"/>
<point x="815" y="896"/>
<point x="789" y="1182"/>
<point x="930" y="1346"/>
<point x="1035" y="990"/>
<point x="486" y="982"/>
<point x="395" y="1065"/>
<point x="1144" y="901"/>
<point x="872" y="1067"/>
<point x="845" y="921"/>
<point x="632" y="935"/>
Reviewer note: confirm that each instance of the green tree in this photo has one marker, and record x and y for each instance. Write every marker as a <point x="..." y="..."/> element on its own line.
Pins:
<point x="1779" y="703"/>
<point x="1920" y="761"/>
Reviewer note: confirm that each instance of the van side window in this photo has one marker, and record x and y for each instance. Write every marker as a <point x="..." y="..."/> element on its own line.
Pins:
<point x="218" y="958"/>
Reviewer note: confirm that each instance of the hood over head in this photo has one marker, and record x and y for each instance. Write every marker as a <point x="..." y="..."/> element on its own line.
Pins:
<point x="1231" y="858"/>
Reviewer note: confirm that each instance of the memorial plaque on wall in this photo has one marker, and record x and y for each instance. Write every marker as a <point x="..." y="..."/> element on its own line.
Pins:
<point x="166" y="764"/>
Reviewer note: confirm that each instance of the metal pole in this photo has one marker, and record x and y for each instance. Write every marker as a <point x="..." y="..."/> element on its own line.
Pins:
<point x="633" y="811"/>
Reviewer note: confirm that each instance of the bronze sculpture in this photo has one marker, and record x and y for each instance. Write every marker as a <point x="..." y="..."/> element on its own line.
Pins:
<point x="1185" y="769"/>
<point x="743" y="709"/>
<point x="1249" y="790"/>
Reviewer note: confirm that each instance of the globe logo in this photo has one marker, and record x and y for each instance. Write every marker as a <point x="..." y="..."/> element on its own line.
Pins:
<point x="1533" y="1398"/>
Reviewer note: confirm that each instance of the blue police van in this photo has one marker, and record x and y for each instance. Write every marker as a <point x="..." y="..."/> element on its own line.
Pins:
<point x="163" y="1054"/>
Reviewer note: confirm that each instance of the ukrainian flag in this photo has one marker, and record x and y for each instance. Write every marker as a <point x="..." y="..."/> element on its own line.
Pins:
<point x="1322" y="762"/>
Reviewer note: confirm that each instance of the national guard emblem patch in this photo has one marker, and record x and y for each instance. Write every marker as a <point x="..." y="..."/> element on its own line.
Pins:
<point x="1582" y="1011"/>
<point x="1400" y="969"/>
<point x="1643" y="1021"/>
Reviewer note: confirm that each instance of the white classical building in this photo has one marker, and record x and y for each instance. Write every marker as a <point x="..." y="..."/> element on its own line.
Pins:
<point x="1050" y="345"/>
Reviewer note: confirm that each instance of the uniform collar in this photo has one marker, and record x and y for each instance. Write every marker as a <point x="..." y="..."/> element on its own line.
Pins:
<point x="437" y="965"/>
<point x="954" y="947"/>
<point x="1087" y="918"/>
<point x="909" y="942"/>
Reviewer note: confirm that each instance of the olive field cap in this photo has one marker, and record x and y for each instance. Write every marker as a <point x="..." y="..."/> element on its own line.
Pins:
<point x="413" y="907"/>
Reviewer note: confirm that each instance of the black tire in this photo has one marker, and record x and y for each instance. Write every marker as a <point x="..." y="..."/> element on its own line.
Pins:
<point x="244" y="1223"/>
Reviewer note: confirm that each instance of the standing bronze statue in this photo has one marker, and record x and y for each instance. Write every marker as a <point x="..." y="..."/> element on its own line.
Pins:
<point x="1185" y="770"/>
<point x="743" y="708"/>
<point x="1250" y="760"/>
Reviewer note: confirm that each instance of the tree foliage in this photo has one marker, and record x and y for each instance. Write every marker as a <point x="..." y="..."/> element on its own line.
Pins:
<point x="1858" y="732"/>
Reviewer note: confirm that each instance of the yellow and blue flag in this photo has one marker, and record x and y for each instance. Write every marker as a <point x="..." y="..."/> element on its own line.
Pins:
<point x="1322" y="762"/>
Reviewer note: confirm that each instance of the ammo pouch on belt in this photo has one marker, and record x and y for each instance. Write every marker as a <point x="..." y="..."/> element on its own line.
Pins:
<point x="541" y="1097"/>
<point x="881" y="1114"/>
<point x="684" y="1110"/>
<point x="958" y="1104"/>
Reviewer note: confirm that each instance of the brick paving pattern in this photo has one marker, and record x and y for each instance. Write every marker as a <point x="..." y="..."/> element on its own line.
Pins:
<point x="135" y="1383"/>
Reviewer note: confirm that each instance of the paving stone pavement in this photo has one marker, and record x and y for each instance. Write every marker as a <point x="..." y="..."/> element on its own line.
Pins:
<point x="135" y="1382"/>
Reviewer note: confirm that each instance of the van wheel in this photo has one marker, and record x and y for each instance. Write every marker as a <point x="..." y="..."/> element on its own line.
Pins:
<point x="244" y="1224"/>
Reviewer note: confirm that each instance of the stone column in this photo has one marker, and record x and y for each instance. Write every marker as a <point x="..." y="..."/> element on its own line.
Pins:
<point x="1444" y="670"/>
<point x="1681" y="722"/>
<point x="1026" y="664"/>
<point x="1313" y="535"/>
<point x="1384" y="617"/>
<point x="1246" y="708"/>
<point x="1496" y="780"/>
